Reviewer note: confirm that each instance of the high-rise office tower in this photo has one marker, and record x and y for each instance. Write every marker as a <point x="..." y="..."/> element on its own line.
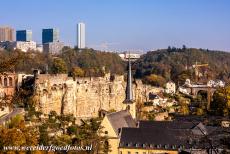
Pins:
<point x="24" y="35"/>
<point x="50" y="35"/>
<point x="6" y="34"/>
<point x="81" y="35"/>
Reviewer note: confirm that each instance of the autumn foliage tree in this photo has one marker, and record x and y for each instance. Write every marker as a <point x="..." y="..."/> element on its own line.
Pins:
<point x="221" y="101"/>
<point x="78" y="72"/>
<point x="59" y="66"/>
<point x="16" y="133"/>
<point x="174" y="63"/>
<point x="155" y="80"/>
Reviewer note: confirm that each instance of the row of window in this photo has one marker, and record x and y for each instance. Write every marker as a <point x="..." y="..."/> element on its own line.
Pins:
<point x="134" y="153"/>
<point x="5" y="82"/>
<point x="143" y="152"/>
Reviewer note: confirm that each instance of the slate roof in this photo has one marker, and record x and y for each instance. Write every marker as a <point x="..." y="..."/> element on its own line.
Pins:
<point x="172" y="135"/>
<point x="154" y="138"/>
<point x="121" y="119"/>
<point x="167" y="124"/>
<point x="197" y="128"/>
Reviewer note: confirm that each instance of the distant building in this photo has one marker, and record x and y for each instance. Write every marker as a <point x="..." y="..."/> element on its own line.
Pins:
<point x="157" y="100"/>
<point x="132" y="56"/>
<point x="53" y="47"/>
<point x="81" y="35"/>
<point x="39" y="47"/>
<point x="5" y="44"/>
<point x="24" y="35"/>
<point x="6" y="34"/>
<point x="21" y="45"/>
<point x="170" y="87"/>
<point x="217" y="83"/>
<point x="24" y="46"/>
<point x="8" y="84"/>
<point x="50" y="35"/>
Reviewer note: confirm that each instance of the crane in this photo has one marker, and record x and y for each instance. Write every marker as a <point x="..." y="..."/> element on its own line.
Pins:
<point x="196" y="68"/>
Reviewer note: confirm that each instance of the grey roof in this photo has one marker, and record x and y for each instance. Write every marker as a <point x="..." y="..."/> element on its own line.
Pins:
<point x="200" y="129"/>
<point x="168" y="124"/>
<point x="197" y="128"/>
<point x="121" y="119"/>
<point x="154" y="138"/>
<point x="173" y="135"/>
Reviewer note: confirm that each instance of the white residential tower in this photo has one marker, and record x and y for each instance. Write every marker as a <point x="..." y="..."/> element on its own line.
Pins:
<point x="81" y="35"/>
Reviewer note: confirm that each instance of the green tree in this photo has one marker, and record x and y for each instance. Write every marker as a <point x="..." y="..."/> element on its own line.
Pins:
<point x="200" y="112"/>
<point x="184" y="109"/>
<point x="59" y="66"/>
<point x="221" y="101"/>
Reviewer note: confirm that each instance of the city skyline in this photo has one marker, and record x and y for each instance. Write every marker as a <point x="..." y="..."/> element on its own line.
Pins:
<point x="129" y="25"/>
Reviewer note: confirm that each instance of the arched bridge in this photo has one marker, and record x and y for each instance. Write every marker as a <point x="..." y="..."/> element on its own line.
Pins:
<point x="195" y="89"/>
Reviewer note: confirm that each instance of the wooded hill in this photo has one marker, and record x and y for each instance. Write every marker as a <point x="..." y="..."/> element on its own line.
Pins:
<point x="176" y="64"/>
<point x="155" y="67"/>
<point x="85" y="62"/>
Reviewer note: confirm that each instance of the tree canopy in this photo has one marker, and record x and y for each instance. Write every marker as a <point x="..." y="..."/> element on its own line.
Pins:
<point x="176" y="64"/>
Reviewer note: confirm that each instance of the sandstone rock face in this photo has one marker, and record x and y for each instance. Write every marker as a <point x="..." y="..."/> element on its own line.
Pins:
<point x="85" y="97"/>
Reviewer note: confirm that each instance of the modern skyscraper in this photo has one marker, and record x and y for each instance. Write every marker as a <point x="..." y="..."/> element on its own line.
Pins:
<point x="81" y="35"/>
<point x="24" y="35"/>
<point x="6" y="34"/>
<point x="50" y="35"/>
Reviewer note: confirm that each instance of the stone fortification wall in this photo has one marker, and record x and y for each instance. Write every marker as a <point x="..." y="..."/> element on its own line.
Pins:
<point x="85" y="97"/>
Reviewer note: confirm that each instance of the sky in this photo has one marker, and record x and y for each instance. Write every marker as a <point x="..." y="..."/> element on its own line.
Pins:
<point x="121" y="25"/>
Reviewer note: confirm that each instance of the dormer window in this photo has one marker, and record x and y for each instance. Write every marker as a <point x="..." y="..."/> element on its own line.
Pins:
<point x="166" y="146"/>
<point x="143" y="145"/>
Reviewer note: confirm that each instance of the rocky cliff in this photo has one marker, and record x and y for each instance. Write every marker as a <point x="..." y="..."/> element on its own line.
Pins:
<point x="85" y="97"/>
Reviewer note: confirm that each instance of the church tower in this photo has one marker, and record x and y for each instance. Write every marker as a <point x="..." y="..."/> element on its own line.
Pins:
<point x="129" y="103"/>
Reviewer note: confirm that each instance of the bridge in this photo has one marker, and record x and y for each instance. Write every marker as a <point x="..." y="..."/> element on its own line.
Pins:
<point x="194" y="90"/>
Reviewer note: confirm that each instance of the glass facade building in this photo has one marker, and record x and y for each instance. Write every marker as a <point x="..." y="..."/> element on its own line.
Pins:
<point x="24" y="35"/>
<point x="50" y="35"/>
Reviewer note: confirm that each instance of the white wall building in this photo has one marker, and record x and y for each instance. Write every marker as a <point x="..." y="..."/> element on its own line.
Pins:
<point x="125" y="56"/>
<point x="39" y="47"/>
<point x="170" y="87"/>
<point x="81" y="35"/>
<point x="217" y="83"/>
<point x="24" y="46"/>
